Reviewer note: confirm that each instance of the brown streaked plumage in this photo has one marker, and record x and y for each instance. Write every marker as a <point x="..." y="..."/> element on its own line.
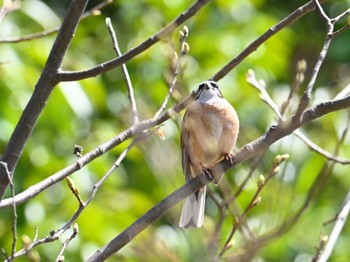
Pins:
<point x="209" y="133"/>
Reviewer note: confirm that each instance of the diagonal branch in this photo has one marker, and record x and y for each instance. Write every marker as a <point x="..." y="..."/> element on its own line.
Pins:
<point x="95" y="10"/>
<point x="51" y="76"/>
<point x="34" y="190"/>
<point x="275" y="133"/>
<point x="107" y="66"/>
<point x="183" y="52"/>
<point x="54" y="235"/>
<point x="341" y="218"/>
<point x="42" y="91"/>
<point x="305" y="99"/>
<point x="268" y="100"/>
<point x="298" y="13"/>
<point x="125" y="72"/>
<point x="283" y="129"/>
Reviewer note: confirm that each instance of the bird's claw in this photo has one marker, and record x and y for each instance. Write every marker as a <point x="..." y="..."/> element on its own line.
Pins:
<point x="209" y="175"/>
<point x="229" y="157"/>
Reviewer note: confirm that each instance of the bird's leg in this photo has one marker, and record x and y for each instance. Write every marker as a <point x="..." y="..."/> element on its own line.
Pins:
<point x="209" y="175"/>
<point x="229" y="157"/>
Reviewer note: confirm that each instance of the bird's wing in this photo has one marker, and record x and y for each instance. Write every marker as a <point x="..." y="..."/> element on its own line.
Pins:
<point x="186" y="162"/>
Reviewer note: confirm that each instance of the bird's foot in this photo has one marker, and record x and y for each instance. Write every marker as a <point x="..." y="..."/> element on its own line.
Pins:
<point x="209" y="175"/>
<point x="229" y="157"/>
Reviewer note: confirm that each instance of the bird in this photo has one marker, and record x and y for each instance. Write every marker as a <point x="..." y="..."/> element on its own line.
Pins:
<point x="209" y="133"/>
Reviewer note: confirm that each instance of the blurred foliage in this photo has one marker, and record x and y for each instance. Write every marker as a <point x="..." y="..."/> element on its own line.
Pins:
<point x="92" y="111"/>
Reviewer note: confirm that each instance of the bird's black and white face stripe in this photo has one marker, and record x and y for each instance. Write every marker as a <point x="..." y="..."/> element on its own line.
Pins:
<point x="208" y="89"/>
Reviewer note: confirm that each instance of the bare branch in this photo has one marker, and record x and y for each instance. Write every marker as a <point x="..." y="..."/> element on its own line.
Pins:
<point x="4" y="167"/>
<point x="105" y="67"/>
<point x="298" y="13"/>
<point x="341" y="16"/>
<point x="96" y="10"/>
<point x="52" y="75"/>
<point x="298" y="80"/>
<point x="30" y="36"/>
<point x="93" y="11"/>
<point x="125" y="72"/>
<point x="82" y="205"/>
<point x="275" y="133"/>
<point x="8" y="6"/>
<point x="307" y="94"/>
<point x="42" y="91"/>
<point x="260" y="85"/>
<point x="90" y="156"/>
<point x="341" y="218"/>
<point x="60" y="257"/>
<point x="320" y="150"/>
<point x="283" y="129"/>
<point x="321" y="11"/>
<point x="184" y="50"/>
<point x="255" y="199"/>
<point x="304" y="102"/>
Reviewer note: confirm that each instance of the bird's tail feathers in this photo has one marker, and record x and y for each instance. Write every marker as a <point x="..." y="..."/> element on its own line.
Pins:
<point x="192" y="214"/>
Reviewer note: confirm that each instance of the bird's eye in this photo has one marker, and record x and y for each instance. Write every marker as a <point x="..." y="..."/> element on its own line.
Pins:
<point x="201" y="86"/>
<point x="214" y="84"/>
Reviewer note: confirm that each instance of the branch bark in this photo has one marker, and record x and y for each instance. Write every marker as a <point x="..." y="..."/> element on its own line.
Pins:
<point x="341" y="218"/>
<point x="42" y="91"/>
<point x="34" y="190"/>
<point x="275" y="133"/>
<point x="52" y="75"/>
<point x="105" y="67"/>
<point x="294" y="16"/>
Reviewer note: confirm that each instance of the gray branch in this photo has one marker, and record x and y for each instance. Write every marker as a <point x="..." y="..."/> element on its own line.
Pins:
<point x="274" y="134"/>
<point x="42" y="91"/>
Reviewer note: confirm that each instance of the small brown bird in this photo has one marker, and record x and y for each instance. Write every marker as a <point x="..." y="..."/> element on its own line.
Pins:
<point x="209" y="133"/>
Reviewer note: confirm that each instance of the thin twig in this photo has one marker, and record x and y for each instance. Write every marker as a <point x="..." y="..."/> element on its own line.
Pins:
<point x="34" y="190"/>
<point x="30" y="36"/>
<point x="341" y="30"/>
<point x="138" y="139"/>
<point x="255" y="199"/>
<point x="277" y="132"/>
<point x="130" y="88"/>
<point x="65" y="244"/>
<point x="285" y="226"/>
<point x="326" y="247"/>
<point x="341" y="16"/>
<point x="254" y="246"/>
<point x="288" y="20"/>
<point x="259" y="85"/>
<point x="304" y="102"/>
<point x="183" y="52"/>
<point x="66" y="76"/>
<point x="341" y="218"/>
<point x="55" y="235"/>
<point x="14" y="210"/>
<point x="298" y="80"/>
<point x="321" y="11"/>
<point x="43" y="89"/>
<point x="164" y="32"/>
<point x="8" y="6"/>
<point x="93" y="11"/>
<point x="96" y="10"/>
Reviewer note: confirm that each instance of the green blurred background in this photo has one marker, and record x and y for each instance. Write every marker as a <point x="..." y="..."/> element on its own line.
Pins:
<point x="92" y="111"/>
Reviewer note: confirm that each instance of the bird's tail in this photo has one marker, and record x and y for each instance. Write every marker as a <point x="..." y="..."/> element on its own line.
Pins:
<point x="193" y="210"/>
